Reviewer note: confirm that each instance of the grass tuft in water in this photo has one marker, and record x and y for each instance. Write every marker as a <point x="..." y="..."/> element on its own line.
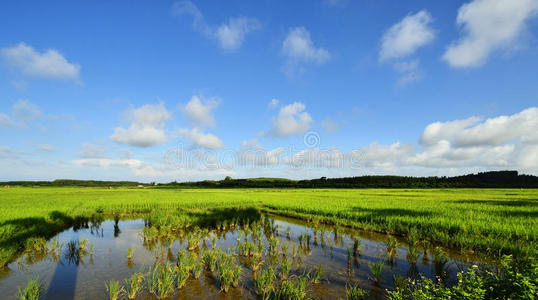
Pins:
<point x="293" y="290"/>
<point x="376" y="269"/>
<point x="134" y="284"/>
<point x="356" y="246"/>
<point x="317" y="274"/>
<point x="209" y="258"/>
<point x="130" y="252"/>
<point x="285" y="268"/>
<point x="31" y="291"/>
<point x="264" y="282"/>
<point x="412" y="255"/>
<point x="354" y="292"/>
<point x="114" y="289"/>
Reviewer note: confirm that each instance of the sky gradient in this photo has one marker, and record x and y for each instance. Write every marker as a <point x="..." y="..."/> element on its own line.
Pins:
<point x="181" y="90"/>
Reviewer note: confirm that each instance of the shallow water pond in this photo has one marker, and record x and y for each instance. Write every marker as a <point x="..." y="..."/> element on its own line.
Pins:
<point x="75" y="272"/>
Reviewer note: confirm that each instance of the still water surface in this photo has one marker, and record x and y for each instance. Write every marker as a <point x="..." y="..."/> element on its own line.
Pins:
<point x="63" y="277"/>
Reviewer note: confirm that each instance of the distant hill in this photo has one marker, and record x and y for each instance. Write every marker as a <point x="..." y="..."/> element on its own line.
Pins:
<point x="494" y="179"/>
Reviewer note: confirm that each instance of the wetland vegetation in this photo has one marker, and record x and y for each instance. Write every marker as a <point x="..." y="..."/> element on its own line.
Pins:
<point x="398" y="244"/>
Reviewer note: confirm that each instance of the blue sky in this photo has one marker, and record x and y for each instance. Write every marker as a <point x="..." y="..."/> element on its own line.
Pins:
<point x="180" y="90"/>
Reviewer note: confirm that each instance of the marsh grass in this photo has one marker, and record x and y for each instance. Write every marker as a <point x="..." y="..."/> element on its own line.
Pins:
<point x="130" y="252"/>
<point x="264" y="282"/>
<point x="114" y="290"/>
<point x="31" y="291"/>
<point x="37" y="244"/>
<point x="209" y="258"/>
<point x="392" y="246"/>
<point x="197" y="269"/>
<point x="83" y="243"/>
<point x="376" y="269"/>
<point x="285" y="268"/>
<point x="293" y="289"/>
<point x="354" y="292"/>
<point x="317" y="274"/>
<point x="356" y="246"/>
<point x="412" y="255"/>
<point x="183" y="274"/>
<point x="134" y="285"/>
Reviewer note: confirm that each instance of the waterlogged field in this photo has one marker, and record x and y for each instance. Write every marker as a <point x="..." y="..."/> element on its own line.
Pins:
<point x="199" y="261"/>
<point x="405" y="233"/>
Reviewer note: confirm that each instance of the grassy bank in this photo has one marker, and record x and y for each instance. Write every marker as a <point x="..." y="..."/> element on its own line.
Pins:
<point x="487" y="220"/>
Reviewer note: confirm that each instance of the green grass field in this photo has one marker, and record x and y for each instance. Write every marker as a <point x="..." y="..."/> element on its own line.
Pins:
<point x="484" y="220"/>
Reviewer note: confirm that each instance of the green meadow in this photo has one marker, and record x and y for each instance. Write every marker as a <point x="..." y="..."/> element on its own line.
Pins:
<point x="488" y="221"/>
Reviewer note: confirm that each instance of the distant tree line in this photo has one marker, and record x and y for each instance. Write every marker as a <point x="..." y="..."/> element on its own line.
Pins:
<point x="494" y="179"/>
<point x="71" y="182"/>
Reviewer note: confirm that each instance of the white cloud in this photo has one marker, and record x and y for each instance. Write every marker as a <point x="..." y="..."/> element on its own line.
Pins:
<point x="146" y="128"/>
<point x="382" y="156"/>
<point x="6" y="121"/>
<point x="520" y="127"/>
<point x="503" y="141"/>
<point x="406" y="36"/>
<point x="291" y="120"/>
<point x="200" y="112"/>
<point x="46" y="147"/>
<point x="488" y="25"/>
<point x="298" y="47"/>
<point x="23" y="112"/>
<point x="108" y="163"/>
<point x="318" y="158"/>
<point x="409" y="71"/>
<point x="329" y="125"/>
<point x="273" y="103"/>
<point x="8" y="152"/>
<point x="49" y="64"/>
<point x="26" y="111"/>
<point x="253" y="154"/>
<point x="230" y="36"/>
<point x="438" y="131"/>
<point x="92" y="151"/>
<point x="206" y="140"/>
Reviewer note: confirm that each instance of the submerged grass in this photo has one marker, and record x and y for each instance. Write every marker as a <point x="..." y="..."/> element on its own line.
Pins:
<point x="497" y="221"/>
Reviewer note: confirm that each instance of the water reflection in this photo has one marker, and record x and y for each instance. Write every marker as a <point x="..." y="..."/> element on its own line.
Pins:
<point x="81" y="259"/>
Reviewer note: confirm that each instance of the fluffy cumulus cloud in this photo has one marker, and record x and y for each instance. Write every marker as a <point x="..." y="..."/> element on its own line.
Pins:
<point x="500" y="142"/>
<point x="146" y="126"/>
<point x="230" y="35"/>
<point x="298" y="47"/>
<point x="405" y="37"/>
<point x="22" y="112"/>
<point x="488" y="25"/>
<point x="199" y="111"/>
<point x="49" y="64"/>
<point x="201" y="139"/>
<point x="292" y="119"/>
